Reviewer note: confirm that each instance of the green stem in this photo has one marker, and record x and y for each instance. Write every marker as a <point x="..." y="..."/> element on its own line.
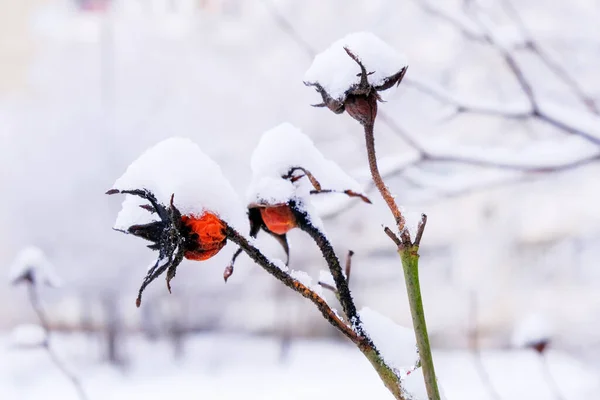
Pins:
<point x="410" y="265"/>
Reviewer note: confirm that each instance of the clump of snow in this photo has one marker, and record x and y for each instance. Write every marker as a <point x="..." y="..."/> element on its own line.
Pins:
<point x="335" y="71"/>
<point x="307" y="281"/>
<point x="285" y="147"/>
<point x="178" y="166"/>
<point x="532" y="330"/>
<point x="31" y="263"/>
<point x="27" y="335"/>
<point x="397" y="344"/>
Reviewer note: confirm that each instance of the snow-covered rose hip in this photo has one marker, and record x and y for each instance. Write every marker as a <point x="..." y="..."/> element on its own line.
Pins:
<point x="287" y="170"/>
<point x="179" y="200"/>
<point x="350" y="74"/>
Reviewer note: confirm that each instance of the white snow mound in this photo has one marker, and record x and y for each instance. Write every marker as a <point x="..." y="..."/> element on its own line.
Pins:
<point x="178" y="166"/>
<point x="283" y="148"/>
<point x="335" y="71"/>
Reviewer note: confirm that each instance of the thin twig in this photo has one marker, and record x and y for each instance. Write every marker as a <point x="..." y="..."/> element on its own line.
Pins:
<point x="509" y="58"/>
<point x="420" y="229"/>
<point x="349" y="265"/>
<point x="37" y="307"/>
<point x="294" y="284"/>
<point x="328" y="287"/>
<point x="341" y="283"/>
<point x="556" y="68"/>
<point x="383" y="189"/>
<point x="393" y="236"/>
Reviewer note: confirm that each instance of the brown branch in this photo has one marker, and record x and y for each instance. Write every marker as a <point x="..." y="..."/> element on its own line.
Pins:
<point x="328" y="287"/>
<point x="307" y="173"/>
<point x="341" y="283"/>
<point x="383" y="189"/>
<point x="393" y="236"/>
<point x="420" y="229"/>
<point x="295" y="285"/>
<point x="37" y="307"/>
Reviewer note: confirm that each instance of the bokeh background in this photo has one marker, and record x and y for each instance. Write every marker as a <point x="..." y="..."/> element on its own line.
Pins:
<point x="512" y="246"/>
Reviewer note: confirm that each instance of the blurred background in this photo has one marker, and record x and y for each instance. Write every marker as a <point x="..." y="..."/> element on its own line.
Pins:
<point x="494" y="133"/>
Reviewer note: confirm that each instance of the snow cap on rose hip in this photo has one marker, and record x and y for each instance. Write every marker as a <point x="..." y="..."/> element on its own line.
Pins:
<point x="349" y="74"/>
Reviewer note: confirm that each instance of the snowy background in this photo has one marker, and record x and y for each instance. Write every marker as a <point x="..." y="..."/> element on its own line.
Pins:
<point x="84" y="90"/>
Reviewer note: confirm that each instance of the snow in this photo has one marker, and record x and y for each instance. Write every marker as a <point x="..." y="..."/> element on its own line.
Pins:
<point x="533" y="329"/>
<point x="227" y="367"/>
<point x="27" y="335"/>
<point x="306" y="280"/>
<point x="32" y="261"/>
<point x="178" y="166"/>
<point x="285" y="147"/>
<point x="397" y="344"/>
<point x="335" y="71"/>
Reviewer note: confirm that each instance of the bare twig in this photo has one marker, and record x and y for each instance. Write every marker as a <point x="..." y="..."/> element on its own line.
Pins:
<point x="328" y="287"/>
<point x="486" y="36"/>
<point x="393" y="236"/>
<point x="420" y="229"/>
<point x="341" y="282"/>
<point x="557" y="69"/>
<point x="295" y="285"/>
<point x="383" y="189"/>
<point x="37" y="307"/>
<point x="349" y="265"/>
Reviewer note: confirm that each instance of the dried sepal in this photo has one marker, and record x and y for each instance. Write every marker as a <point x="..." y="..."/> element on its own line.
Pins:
<point x="359" y="99"/>
<point x="174" y="237"/>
